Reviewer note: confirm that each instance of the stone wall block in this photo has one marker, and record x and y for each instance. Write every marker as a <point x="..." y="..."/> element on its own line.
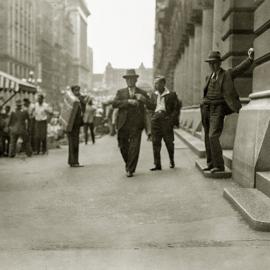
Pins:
<point x="228" y="134"/>
<point x="238" y="22"/>
<point x="262" y="44"/>
<point x="261" y="77"/>
<point x="252" y="128"/>
<point x="261" y="16"/>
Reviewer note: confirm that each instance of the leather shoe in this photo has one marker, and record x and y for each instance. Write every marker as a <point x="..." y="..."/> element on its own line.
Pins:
<point x="76" y="165"/>
<point x="156" y="168"/>
<point x="208" y="168"/>
<point x="172" y="165"/>
<point x="129" y="174"/>
<point x="217" y="170"/>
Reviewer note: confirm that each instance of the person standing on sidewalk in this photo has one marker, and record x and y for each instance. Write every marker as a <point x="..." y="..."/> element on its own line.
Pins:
<point x="18" y="126"/>
<point x="41" y="113"/>
<point x="162" y="122"/>
<point x="219" y="99"/>
<point x="74" y="134"/>
<point x="131" y="103"/>
<point x="88" y="120"/>
<point x="5" y="117"/>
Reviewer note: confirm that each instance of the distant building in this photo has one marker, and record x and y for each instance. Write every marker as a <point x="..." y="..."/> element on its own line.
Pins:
<point x="97" y="81"/>
<point x="90" y="63"/>
<point x="78" y="13"/>
<point x="45" y="41"/>
<point x="113" y="77"/>
<point x="17" y="37"/>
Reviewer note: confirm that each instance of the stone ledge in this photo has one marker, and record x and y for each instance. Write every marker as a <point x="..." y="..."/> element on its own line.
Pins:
<point x="228" y="156"/>
<point x="200" y="164"/>
<point x="253" y="205"/>
<point x="195" y="144"/>
<point x="263" y="182"/>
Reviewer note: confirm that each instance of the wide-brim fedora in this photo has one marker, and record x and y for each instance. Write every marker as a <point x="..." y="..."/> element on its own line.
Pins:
<point x="214" y="56"/>
<point x="130" y="73"/>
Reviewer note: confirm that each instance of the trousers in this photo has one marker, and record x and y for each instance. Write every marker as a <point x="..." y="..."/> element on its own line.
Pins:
<point x="129" y="142"/>
<point x="41" y="136"/>
<point x="91" y="127"/>
<point x="13" y="143"/>
<point x="213" y="120"/>
<point x="162" y="128"/>
<point x="73" y="146"/>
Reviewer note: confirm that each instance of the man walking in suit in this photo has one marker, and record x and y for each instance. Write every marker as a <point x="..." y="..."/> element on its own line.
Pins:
<point x="73" y="135"/>
<point x="220" y="99"/>
<point x="131" y="103"/>
<point x="163" y="119"/>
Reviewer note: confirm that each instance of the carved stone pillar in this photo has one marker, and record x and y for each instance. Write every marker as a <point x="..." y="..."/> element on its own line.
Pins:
<point x="207" y="40"/>
<point x="197" y="64"/>
<point x="190" y="71"/>
<point x="217" y="25"/>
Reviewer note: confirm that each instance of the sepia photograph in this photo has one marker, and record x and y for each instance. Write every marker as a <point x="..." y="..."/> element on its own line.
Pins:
<point x="134" y="134"/>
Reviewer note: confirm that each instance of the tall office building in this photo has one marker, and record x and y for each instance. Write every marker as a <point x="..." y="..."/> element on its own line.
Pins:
<point x="78" y="14"/>
<point x="17" y="37"/>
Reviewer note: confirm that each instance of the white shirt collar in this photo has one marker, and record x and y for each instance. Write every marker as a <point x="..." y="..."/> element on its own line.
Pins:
<point x="166" y="92"/>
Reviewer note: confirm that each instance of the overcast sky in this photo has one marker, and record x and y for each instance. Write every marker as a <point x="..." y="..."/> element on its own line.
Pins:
<point x="121" y="32"/>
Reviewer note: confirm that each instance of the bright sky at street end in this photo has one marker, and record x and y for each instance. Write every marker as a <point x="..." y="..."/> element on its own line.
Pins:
<point x="121" y="32"/>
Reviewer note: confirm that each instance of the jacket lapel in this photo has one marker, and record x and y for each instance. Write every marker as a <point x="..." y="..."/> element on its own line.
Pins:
<point x="221" y="77"/>
<point x="126" y="93"/>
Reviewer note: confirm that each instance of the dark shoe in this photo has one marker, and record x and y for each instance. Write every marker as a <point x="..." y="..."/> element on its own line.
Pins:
<point x="129" y="174"/>
<point x="156" y="168"/>
<point x="208" y="168"/>
<point x="76" y="165"/>
<point x="217" y="170"/>
<point x="172" y="165"/>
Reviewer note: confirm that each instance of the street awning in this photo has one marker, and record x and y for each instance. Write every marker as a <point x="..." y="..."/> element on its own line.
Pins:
<point x="9" y="82"/>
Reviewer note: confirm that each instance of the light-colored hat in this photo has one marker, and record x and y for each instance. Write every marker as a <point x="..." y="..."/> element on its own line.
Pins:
<point x="130" y="73"/>
<point x="159" y="78"/>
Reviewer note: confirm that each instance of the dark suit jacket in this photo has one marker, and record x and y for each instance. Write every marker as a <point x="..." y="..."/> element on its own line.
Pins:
<point x="137" y="117"/>
<point x="226" y="84"/>
<point x="171" y="105"/>
<point x="19" y="121"/>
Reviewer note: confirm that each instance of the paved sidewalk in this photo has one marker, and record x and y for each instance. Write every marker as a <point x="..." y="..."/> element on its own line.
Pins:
<point x="55" y="217"/>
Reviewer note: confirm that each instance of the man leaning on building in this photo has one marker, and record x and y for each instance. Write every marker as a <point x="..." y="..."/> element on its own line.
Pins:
<point x="162" y="122"/>
<point x="219" y="99"/>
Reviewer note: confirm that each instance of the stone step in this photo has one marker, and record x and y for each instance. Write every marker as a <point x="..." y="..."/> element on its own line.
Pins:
<point x="198" y="134"/>
<point x="195" y="144"/>
<point x="252" y="204"/>
<point x="201" y="163"/>
<point x="263" y="182"/>
<point x="228" y="155"/>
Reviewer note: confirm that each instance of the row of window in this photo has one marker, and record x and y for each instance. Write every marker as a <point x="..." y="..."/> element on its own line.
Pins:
<point x="17" y="70"/>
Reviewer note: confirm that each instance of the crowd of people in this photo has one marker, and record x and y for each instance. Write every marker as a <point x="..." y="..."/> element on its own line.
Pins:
<point x="130" y="112"/>
<point x="28" y="127"/>
<point x="134" y="109"/>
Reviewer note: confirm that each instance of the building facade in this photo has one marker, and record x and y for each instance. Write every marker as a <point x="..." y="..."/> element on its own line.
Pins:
<point x="45" y="41"/>
<point x="186" y="31"/>
<point x="17" y="37"/>
<point x="113" y="77"/>
<point x="78" y="14"/>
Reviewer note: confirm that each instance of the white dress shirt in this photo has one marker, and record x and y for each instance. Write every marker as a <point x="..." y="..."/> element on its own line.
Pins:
<point x="161" y="100"/>
<point x="41" y="111"/>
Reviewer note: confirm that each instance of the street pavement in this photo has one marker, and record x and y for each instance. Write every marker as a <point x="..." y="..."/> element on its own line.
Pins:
<point x="56" y="217"/>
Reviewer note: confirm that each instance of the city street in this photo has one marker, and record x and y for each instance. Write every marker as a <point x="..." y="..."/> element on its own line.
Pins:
<point x="56" y="217"/>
